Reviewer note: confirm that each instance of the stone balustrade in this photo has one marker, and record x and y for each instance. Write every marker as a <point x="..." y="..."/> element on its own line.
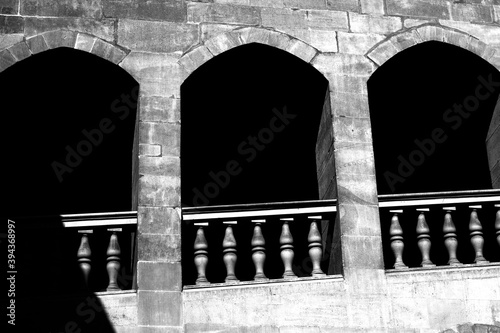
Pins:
<point x="97" y="247"/>
<point x="281" y="241"/>
<point x="452" y="228"/>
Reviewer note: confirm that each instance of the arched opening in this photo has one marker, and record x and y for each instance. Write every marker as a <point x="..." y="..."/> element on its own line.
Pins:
<point x="70" y="123"/>
<point x="429" y="128"/>
<point x="250" y="119"/>
<point x="433" y="108"/>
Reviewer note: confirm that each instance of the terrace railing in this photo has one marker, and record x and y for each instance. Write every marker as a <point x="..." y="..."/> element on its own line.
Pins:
<point x="257" y="242"/>
<point x="73" y="253"/>
<point x="444" y="228"/>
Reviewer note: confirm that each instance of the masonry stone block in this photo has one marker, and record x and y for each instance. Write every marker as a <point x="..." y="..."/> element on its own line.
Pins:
<point x="456" y="38"/>
<point x="383" y="52"/>
<point x="156" y="10"/>
<point x="347" y="83"/>
<point x="339" y="63"/>
<point x="327" y="20"/>
<point x="406" y="39"/>
<point x="431" y="32"/>
<point x="159" y="74"/>
<point x="160" y="109"/>
<point x="374" y="24"/>
<point x="283" y="18"/>
<point x="220" y="13"/>
<point x="349" y="130"/>
<point x="103" y="28"/>
<point x="411" y="23"/>
<point x="312" y="4"/>
<point x="356" y="43"/>
<point x="209" y="30"/>
<point x="84" y="42"/>
<point x="194" y="59"/>
<point x="489" y="34"/>
<point x="420" y="8"/>
<point x="20" y="51"/>
<point x="343" y="5"/>
<point x="6" y="60"/>
<point x="108" y="51"/>
<point x="357" y="159"/>
<point x="496" y="13"/>
<point x="222" y="43"/>
<point x="264" y="36"/>
<point x="364" y="252"/>
<point x="9" y="40"/>
<point x="158" y="247"/>
<point x="140" y="35"/>
<point x="60" y="38"/>
<point x="62" y="8"/>
<point x="159" y="220"/>
<point x="159" y="191"/>
<point x="472" y="13"/>
<point x="149" y="150"/>
<point x="346" y="104"/>
<point x="11" y="24"/>
<point x="163" y="276"/>
<point x="375" y="7"/>
<point x="323" y="40"/>
<point x="166" y="134"/>
<point x="356" y="190"/>
<point x="37" y="44"/>
<point x="301" y="50"/>
<point x="159" y="308"/>
<point x="160" y="165"/>
<point x="9" y="7"/>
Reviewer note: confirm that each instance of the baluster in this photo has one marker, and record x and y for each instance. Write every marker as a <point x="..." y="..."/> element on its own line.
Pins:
<point x="113" y="265"/>
<point x="476" y="235"/>
<point x="424" y="238"/>
<point x="397" y="240"/>
<point x="258" y="251"/>
<point x="84" y="255"/>
<point x="230" y="257"/>
<point x="315" y="246"/>
<point x="286" y="247"/>
<point x="201" y="254"/>
<point x="497" y="224"/>
<point x="450" y="237"/>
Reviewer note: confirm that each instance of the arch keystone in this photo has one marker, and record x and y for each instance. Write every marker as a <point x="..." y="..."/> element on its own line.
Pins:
<point x="264" y="36"/>
<point x="60" y="38"/>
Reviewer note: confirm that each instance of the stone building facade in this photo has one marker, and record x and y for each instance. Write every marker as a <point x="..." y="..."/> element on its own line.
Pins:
<point x="160" y="43"/>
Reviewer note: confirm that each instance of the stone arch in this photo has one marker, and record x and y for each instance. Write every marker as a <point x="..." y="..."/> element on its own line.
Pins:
<point x="196" y="57"/>
<point x="424" y="33"/>
<point x="61" y="38"/>
<point x="391" y="46"/>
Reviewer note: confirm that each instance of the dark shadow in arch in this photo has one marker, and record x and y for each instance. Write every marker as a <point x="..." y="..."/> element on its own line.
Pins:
<point x="411" y="95"/>
<point x="253" y="110"/>
<point x="59" y="102"/>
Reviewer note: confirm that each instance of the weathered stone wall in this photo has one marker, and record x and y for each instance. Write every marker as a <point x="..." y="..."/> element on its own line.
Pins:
<point x="161" y="42"/>
<point x="403" y="302"/>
